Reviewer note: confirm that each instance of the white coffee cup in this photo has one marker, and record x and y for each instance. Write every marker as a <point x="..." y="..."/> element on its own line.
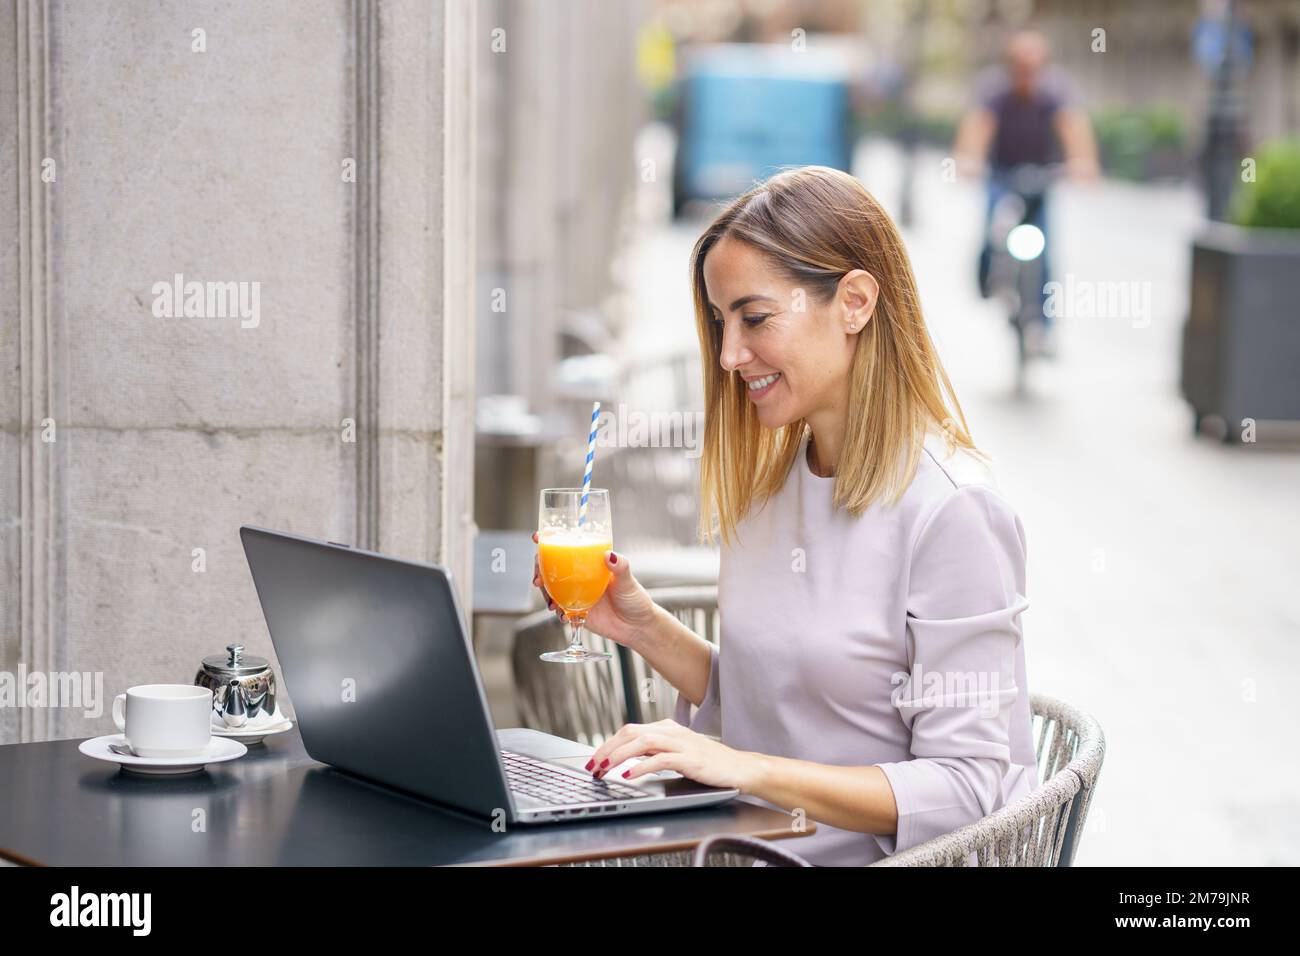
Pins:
<point x="165" y="720"/>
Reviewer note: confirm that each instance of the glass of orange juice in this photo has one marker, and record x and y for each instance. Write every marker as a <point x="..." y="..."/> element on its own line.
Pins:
<point x="571" y="546"/>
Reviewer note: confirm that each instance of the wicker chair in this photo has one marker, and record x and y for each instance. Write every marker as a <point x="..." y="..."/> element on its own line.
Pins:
<point x="583" y="703"/>
<point x="1040" y="829"/>
<point x="590" y="703"/>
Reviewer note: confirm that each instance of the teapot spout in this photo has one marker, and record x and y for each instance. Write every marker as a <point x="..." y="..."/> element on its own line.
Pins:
<point x="233" y="710"/>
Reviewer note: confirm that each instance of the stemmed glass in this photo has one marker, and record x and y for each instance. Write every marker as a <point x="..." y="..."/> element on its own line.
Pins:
<point x="571" y="548"/>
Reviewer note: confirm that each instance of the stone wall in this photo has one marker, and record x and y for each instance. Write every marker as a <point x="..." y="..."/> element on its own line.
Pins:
<point x="318" y="158"/>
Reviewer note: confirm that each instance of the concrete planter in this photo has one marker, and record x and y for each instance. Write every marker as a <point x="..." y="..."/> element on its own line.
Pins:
<point x="1241" y="343"/>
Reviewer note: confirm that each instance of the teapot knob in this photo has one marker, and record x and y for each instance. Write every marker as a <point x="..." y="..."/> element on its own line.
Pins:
<point x="235" y="650"/>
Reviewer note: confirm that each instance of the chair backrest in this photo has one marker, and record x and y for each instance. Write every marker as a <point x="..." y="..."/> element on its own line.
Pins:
<point x="1041" y="828"/>
<point x="580" y="702"/>
<point x="590" y="703"/>
<point x="1078" y="747"/>
<point x="697" y="608"/>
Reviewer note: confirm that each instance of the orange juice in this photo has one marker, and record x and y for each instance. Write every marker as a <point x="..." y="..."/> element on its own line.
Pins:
<point x="573" y="567"/>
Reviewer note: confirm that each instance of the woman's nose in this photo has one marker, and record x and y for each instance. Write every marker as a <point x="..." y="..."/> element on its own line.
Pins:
<point x="733" y="353"/>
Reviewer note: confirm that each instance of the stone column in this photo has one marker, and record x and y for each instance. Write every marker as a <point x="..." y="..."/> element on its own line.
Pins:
<point x="312" y="161"/>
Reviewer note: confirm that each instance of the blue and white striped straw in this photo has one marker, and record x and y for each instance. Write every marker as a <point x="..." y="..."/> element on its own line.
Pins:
<point x="591" y="456"/>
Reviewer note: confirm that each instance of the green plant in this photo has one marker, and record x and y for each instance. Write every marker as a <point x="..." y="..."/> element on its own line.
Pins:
<point x="1272" y="201"/>
<point x="1123" y="140"/>
<point x="938" y="130"/>
<point x="889" y="120"/>
<point x="1129" y="136"/>
<point x="1165" y="125"/>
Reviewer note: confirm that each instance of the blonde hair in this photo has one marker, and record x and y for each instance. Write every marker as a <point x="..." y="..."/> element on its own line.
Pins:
<point x="816" y="224"/>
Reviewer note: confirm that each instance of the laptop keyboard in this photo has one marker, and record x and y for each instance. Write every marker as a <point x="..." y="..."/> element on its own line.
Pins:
<point x="545" y="781"/>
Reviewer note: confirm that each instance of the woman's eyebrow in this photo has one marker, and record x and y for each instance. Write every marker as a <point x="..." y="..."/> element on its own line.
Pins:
<point x="745" y="300"/>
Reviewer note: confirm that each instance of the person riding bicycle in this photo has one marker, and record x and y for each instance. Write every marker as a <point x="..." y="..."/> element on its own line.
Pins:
<point x="1022" y="111"/>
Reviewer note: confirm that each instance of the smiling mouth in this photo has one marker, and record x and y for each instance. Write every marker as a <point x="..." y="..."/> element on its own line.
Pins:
<point x="761" y="386"/>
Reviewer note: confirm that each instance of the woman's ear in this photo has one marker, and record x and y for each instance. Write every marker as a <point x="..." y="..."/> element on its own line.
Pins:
<point x="858" y="294"/>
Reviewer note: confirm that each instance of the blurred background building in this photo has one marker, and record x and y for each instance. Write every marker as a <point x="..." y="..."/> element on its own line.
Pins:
<point x="1138" y="476"/>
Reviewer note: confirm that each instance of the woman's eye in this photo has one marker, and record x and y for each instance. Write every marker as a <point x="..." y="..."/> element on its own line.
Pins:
<point x="750" y="320"/>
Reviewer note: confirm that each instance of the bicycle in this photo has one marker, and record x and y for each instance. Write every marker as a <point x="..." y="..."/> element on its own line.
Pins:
<point x="1017" y="267"/>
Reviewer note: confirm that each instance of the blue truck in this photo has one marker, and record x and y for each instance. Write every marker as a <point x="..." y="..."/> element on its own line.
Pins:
<point x="746" y="110"/>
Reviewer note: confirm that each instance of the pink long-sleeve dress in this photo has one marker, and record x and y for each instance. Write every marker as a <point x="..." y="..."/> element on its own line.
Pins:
<point x="891" y="639"/>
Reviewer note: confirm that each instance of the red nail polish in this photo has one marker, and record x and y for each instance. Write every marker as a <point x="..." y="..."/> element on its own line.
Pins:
<point x="626" y="772"/>
<point x="589" y="764"/>
<point x="613" y="558"/>
<point x="604" y="763"/>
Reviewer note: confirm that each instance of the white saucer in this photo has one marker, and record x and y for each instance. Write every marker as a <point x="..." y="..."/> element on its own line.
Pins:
<point x="252" y="735"/>
<point x="219" y="750"/>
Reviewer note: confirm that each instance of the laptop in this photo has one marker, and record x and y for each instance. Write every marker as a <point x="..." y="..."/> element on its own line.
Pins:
<point x="374" y="654"/>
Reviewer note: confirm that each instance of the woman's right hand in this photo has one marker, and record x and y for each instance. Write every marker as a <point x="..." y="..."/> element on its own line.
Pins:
<point x="624" y="612"/>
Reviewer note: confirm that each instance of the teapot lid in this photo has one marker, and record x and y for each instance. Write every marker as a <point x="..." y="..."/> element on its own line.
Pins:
<point x="233" y="663"/>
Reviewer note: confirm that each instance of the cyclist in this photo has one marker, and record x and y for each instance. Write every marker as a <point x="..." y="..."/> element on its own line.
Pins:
<point x="1023" y="111"/>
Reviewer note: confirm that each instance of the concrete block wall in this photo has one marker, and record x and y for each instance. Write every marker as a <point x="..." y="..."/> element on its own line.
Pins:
<point x="133" y="149"/>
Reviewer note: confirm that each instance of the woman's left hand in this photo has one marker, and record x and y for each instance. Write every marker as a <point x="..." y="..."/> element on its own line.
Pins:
<point x="671" y="746"/>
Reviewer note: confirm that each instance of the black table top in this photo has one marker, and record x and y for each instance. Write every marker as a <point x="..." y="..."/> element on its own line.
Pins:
<point x="277" y="806"/>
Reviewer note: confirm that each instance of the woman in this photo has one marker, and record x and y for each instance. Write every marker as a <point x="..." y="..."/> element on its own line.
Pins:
<point x="871" y="676"/>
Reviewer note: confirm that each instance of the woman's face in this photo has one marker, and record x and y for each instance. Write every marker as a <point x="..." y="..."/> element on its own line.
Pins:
<point x="776" y="337"/>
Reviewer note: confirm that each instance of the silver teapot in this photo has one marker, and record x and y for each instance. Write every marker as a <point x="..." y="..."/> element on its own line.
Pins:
<point x="243" y="688"/>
